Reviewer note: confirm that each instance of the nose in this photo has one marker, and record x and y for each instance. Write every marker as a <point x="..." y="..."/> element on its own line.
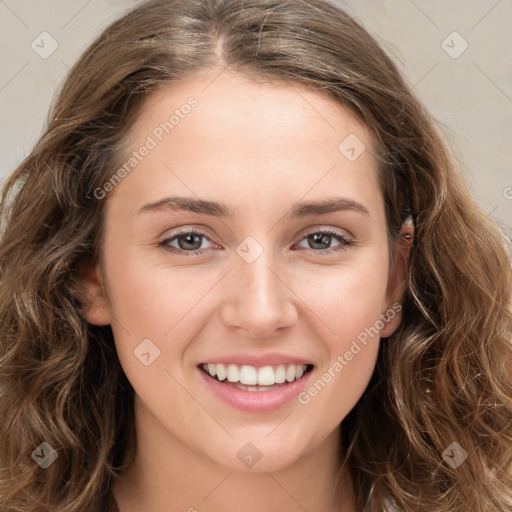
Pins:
<point x="259" y="301"/>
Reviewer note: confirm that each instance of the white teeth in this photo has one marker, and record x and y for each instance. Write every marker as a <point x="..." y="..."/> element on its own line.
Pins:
<point x="252" y="376"/>
<point x="266" y="376"/>
<point x="248" y="375"/>
<point x="233" y="373"/>
<point x="221" y="372"/>
<point x="280" y="374"/>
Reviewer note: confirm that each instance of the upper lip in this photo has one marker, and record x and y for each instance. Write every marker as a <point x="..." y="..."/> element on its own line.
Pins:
<point x="258" y="360"/>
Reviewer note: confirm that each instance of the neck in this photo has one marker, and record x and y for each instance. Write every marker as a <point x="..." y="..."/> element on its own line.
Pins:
<point x="166" y="476"/>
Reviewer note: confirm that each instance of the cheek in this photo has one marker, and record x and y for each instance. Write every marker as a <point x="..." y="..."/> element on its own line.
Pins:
<point x="164" y="305"/>
<point x="347" y="298"/>
<point x="338" y="386"/>
<point x="348" y="303"/>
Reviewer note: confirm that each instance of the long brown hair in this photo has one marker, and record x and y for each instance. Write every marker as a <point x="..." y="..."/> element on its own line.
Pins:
<point x="444" y="377"/>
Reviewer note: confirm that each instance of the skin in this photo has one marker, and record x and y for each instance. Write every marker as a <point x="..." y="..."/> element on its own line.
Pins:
<point x="260" y="148"/>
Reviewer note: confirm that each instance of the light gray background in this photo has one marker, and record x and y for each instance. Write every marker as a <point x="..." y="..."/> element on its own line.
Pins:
<point x="470" y="95"/>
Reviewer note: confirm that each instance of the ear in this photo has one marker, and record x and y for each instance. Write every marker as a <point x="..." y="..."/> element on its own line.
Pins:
<point x="396" y="281"/>
<point x="91" y="294"/>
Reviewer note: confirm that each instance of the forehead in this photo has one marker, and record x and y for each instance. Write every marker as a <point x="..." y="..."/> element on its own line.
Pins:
<point x="230" y="134"/>
<point x="273" y="111"/>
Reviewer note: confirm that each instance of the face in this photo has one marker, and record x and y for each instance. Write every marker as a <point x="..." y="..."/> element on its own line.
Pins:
<point x="270" y="263"/>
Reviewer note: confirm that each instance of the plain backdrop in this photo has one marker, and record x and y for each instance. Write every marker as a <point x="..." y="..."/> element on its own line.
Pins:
<point x="456" y="56"/>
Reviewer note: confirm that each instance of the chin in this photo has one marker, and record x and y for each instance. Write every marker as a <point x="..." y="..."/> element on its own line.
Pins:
<point x="260" y="455"/>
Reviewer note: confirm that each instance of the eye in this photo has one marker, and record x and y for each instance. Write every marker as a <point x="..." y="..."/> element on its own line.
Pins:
<point x="191" y="242"/>
<point x="321" y="240"/>
<point x="187" y="242"/>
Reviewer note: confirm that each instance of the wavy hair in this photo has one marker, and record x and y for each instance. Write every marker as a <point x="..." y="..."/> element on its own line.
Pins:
<point x="444" y="376"/>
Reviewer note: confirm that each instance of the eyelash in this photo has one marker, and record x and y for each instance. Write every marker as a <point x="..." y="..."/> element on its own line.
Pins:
<point x="344" y="240"/>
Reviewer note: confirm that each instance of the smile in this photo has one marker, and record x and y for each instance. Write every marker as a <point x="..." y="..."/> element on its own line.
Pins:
<point x="252" y="378"/>
<point x="255" y="388"/>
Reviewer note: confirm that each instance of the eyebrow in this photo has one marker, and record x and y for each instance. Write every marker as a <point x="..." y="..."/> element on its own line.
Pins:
<point x="217" y="209"/>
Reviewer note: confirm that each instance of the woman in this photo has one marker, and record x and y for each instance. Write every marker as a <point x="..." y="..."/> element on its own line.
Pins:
<point x="240" y="270"/>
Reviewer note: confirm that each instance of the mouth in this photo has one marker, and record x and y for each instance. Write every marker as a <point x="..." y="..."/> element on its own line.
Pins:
<point x="254" y="378"/>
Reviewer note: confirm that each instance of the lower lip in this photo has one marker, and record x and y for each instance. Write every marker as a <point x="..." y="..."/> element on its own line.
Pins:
<point x="255" y="401"/>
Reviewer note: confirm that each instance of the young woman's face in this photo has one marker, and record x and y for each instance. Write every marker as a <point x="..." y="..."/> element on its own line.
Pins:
<point x="288" y="269"/>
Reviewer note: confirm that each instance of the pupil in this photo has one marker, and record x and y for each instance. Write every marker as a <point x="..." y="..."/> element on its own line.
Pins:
<point x="189" y="239"/>
<point x="318" y="237"/>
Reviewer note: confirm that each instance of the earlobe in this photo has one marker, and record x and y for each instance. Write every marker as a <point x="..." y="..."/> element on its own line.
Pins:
<point x="392" y="318"/>
<point x="90" y="293"/>
<point x="397" y="279"/>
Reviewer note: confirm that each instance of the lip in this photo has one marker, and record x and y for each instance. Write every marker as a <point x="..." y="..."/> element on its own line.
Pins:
<point x="258" y="360"/>
<point x="255" y="401"/>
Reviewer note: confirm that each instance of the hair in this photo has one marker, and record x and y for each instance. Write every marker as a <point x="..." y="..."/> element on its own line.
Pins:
<point x="444" y="376"/>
